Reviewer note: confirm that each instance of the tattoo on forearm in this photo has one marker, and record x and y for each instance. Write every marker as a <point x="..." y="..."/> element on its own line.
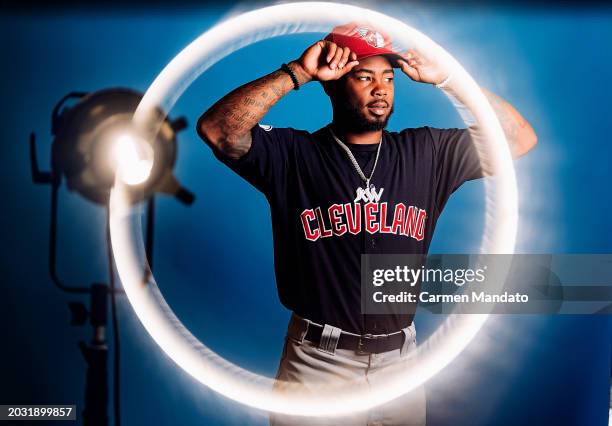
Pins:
<point x="234" y="115"/>
<point x="511" y="121"/>
<point x="254" y="102"/>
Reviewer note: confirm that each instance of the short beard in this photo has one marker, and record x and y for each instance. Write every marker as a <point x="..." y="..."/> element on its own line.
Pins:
<point x="351" y="118"/>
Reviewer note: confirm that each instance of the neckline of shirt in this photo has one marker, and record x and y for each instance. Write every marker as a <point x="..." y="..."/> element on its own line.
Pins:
<point x="363" y="147"/>
<point x="354" y="147"/>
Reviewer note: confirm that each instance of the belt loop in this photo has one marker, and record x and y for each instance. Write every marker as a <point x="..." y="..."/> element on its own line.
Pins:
<point x="409" y="335"/>
<point x="298" y="327"/>
<point x="306" y="324"/>
<point x="329" y="339"/>
<point x="406" y="343"/>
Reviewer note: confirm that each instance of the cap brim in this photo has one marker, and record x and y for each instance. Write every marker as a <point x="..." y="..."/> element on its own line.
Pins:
<point x="392" y="57"/>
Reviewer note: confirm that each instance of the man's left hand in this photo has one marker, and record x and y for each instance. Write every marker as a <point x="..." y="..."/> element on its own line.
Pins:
<point x="422" y="69"/>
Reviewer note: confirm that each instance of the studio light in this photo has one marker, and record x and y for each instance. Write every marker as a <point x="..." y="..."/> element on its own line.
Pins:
<point x="95" y="139"/>
<point x="94" y="142"/>
<point x="133" y="158"/>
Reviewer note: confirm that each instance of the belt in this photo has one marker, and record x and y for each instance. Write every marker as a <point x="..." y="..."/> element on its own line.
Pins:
<point x="364" y="344"/>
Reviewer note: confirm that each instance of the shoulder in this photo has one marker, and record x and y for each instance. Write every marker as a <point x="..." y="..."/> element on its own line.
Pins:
<point x="427" y="135"/>
<point x="424" y="133"/>
<point x="268" y="132"/>
<point x="410" y="133"/>
<point x="417" y="136"/>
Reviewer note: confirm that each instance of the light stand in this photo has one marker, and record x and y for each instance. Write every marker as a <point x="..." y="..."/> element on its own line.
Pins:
<point x="82" y="142"/>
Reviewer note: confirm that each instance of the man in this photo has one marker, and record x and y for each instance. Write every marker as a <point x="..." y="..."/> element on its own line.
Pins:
<point x="349" y="188"/>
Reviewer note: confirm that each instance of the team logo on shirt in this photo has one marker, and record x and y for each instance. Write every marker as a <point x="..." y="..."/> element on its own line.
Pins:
<point x="338" y="219"/>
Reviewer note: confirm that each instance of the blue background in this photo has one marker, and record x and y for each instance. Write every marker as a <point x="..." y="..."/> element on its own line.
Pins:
<point x="214" y="259"/>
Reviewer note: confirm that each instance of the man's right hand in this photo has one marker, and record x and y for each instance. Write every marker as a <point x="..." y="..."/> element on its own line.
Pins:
<point x="325" y="60"/>
<point x="227" y="125"/>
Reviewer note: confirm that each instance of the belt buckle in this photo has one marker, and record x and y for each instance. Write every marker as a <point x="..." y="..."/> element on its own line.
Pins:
<point x="361" y="344"/>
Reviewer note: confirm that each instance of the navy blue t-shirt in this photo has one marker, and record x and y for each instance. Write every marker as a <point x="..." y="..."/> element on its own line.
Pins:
<point x="321" y="227"/>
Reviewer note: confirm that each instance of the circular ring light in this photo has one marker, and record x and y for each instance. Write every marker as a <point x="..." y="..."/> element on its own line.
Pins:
<point x="185" y="349"/>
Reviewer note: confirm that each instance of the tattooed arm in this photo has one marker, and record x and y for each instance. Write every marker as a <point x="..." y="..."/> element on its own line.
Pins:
<point x="227" y="124"/>
<point x="519" y="133"/>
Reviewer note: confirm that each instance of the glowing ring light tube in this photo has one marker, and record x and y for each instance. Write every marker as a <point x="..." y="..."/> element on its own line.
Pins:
<point x="204" y="364"/>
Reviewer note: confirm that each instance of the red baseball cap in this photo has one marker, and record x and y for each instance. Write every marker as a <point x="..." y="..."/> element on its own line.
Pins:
<point x="365" y="41"/>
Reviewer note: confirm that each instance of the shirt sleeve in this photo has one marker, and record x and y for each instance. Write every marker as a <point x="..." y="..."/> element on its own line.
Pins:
<point x="265" y="164"/>
<point x="455" y="160"/>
